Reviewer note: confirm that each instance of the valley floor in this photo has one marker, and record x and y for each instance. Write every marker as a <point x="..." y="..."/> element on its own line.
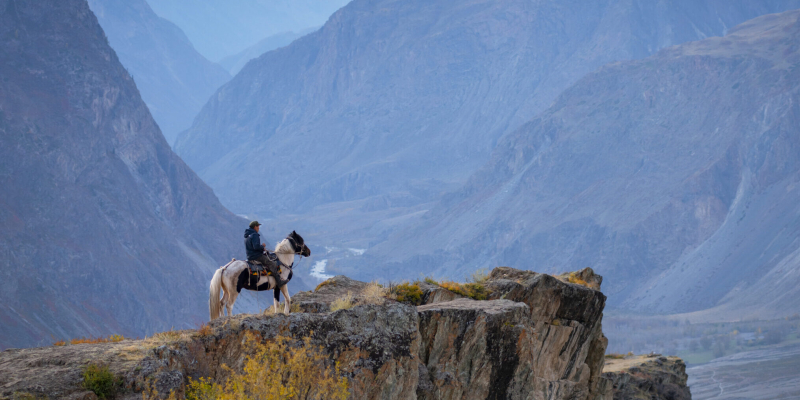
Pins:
<point x="771" y="372"/>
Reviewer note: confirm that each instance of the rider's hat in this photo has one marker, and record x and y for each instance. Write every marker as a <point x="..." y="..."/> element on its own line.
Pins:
<point x="254" y="224"/>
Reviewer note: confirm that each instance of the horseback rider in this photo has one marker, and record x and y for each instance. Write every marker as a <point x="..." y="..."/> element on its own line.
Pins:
<point x="255" y="252"/>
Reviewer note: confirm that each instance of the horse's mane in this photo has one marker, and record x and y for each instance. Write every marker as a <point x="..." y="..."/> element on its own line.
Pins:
<point x="284" y="246"/>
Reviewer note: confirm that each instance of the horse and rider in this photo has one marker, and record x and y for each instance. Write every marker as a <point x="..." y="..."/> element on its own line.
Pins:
<point x="237" y="274"/>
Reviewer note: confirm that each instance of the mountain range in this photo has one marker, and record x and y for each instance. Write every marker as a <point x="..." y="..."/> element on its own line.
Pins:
<point x="223" y="28"/>
<point x="354" y="131"/>
<point x="676" y="177"/>
<point x="103" y="229"/>
<point x="173" y="78"/>
<point x="235" y="62"/>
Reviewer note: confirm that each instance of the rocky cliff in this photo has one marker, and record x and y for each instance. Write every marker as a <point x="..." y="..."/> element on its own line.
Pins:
<point x="674" y="176"/>
<point x="652" y="377"/>
<point x="103" y="229"/>
<point x="174" y="79"/>
<point x="536" y="337"/>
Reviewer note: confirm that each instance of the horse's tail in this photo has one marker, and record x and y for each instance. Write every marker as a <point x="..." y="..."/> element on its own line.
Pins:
<point x="214" y="304"/>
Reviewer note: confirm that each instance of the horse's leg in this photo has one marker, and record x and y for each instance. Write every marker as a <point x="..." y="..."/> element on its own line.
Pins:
<point x="288" y="306"/>
<point x="231" y="300"/>
<point x="275" y="299"/>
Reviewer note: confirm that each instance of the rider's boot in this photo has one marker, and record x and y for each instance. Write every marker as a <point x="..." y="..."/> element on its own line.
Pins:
<point x="275" y="274"/>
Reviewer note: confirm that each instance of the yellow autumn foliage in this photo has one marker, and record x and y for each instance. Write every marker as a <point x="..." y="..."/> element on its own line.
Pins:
<point x="277" y="370"/>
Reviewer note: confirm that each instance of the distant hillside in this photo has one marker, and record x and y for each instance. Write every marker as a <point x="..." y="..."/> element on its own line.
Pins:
<point x="676" y="177"/>
<point x="366" y="121"/>
<point x="103" y="229"/>
<point x="234" y="63"/>
<point x="174" y="79"/>
<point x="223" y="28"/>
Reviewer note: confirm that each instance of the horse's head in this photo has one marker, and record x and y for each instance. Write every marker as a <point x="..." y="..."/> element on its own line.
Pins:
<point x="298" y="244"/>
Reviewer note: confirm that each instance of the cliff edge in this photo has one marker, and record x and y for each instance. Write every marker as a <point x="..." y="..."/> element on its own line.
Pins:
<point x="534" y="337"/>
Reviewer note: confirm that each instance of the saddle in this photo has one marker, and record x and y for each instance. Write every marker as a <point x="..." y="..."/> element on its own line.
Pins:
<point x="257" y="268"/>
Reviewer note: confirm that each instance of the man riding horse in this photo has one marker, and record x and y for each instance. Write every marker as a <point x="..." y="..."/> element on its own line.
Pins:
<point x="256" y="252"/>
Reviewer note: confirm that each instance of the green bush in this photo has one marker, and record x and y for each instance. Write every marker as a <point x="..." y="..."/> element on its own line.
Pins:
<point x="407" y="293"/>
<point x="98" y="379"/>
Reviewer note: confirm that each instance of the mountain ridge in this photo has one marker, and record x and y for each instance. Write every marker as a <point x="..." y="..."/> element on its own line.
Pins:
<point x="389" y="105"/>
<point x="104" y="229"/>
<point x="173" y="78"/>
<point x="650" y="171"/>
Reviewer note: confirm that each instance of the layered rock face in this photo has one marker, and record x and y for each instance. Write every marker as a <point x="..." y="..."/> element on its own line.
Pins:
<point x="648" y="377"/>
<point x="674" y="176"/>
<point x="536" y="338"/>
<point x="103" y="229"/>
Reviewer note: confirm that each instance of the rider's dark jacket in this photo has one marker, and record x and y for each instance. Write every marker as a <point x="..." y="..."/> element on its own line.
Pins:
<point x="252" y="243"/>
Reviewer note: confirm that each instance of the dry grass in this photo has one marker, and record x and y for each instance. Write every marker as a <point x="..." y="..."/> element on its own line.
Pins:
<point x="373" y="293"/>
<point x="27" y="396"/>
<point x="476" y="291"/>
<point x="294" y="308"/>
<point x="204" y="330"/>
<point x="343" y="303"/>
<point x="169" y="337"/>
<point x="323" y="284"/>
<point x="91" y="340"/>
<point x="573" y="278"/>
<point x="480" y="276"/>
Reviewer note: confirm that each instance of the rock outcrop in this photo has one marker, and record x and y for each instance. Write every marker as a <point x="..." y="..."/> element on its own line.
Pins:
<point x="648" y="377"/>
<point x="535" y="338"/>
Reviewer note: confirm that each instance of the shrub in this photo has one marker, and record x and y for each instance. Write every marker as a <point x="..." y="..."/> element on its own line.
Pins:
<point x="475" y="291"/>
<point x="99" y="380"/>
<point x="407" y="293"/>
<point x="615" y="356"/>
<point x="202" y="389"/>
<point x="343" y="303"/>
<point x="277" y="370"/>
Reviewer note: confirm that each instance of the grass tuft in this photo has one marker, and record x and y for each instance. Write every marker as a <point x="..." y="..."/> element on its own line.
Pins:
<point x="204" y="330"/>
<point x="323" y="284"/>
<point x="343" y="303"/>
<point x="373" y="293"/>
<point x="475" y="291"/>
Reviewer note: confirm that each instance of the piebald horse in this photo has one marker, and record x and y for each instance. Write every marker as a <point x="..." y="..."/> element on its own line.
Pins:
<point x="235" y="276"/>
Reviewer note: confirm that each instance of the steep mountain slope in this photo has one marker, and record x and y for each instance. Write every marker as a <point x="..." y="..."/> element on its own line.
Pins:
<point x="394" y="102"/>
<point x="223" y="28"/>
<point x="675" y="177"/>
<point x="234" y="63"/>
<point x="103" y="229"/>
<point x="174" y="79"/>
